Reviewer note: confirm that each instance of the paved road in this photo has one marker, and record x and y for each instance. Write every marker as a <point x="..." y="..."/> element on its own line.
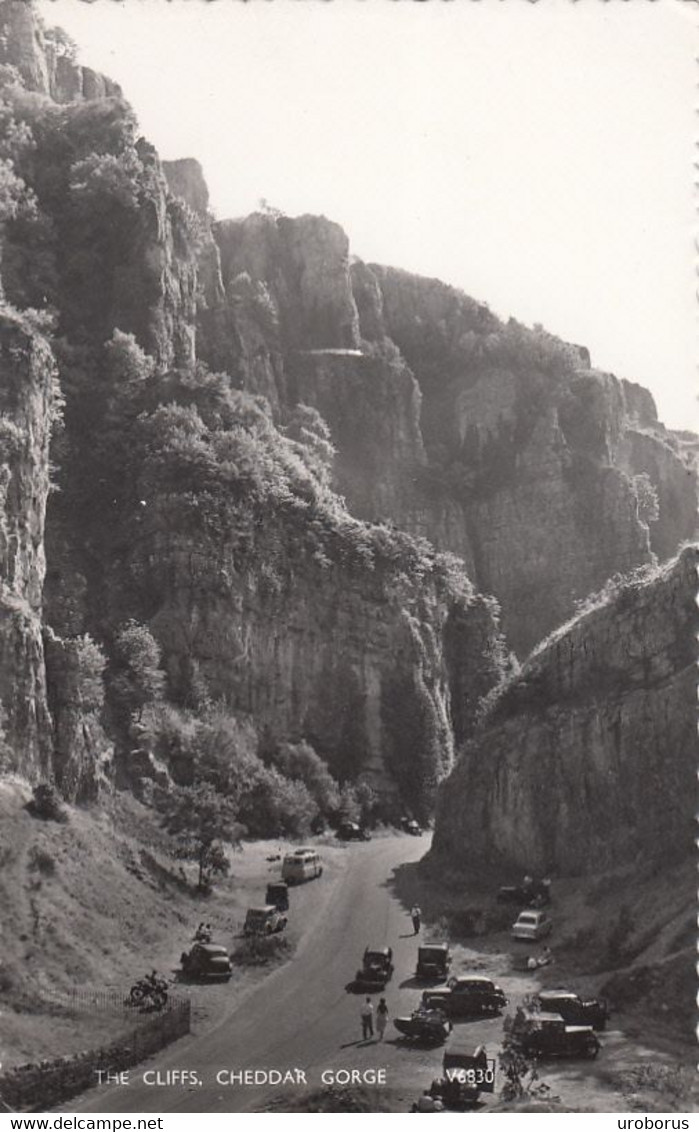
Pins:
<point x="300" y="1017"/>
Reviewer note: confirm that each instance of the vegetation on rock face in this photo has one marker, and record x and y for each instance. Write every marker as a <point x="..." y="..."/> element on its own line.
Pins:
<point x="274" y="791"/>
<point x="137" y="679"/>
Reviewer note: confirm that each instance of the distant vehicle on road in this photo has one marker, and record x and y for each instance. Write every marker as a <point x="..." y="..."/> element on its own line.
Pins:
<point x="303" y="864"/>
<point x="409" y="825"/>
<point x="350" y="831"/>
<point x="467" y="1071"/>
<point x="376" y="969"/>
<point x="433" y="962"/>
<point x="206" y="961"/>
<point x="278" y="894"/>
<point x="547" y="1035"/>
<point x="467" y="996"/>
<point x="574" y="1010"/>
<point x="264" y="921"/>
<point x="532" y="925"/>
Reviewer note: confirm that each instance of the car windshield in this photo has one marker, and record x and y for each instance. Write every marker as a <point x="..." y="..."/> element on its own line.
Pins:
<point x="528" y="918"/>
<point x="431" y="953"/>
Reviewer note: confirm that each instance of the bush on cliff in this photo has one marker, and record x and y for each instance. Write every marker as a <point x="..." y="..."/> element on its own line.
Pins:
<point x="136" y="679"/>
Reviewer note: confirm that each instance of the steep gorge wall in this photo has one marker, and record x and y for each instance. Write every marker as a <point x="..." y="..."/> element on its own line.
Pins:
<point x="588" y="759"/>
<point x="27" y="393"/>
<point x="496" y="443"/>
<point x="534" y="450"/>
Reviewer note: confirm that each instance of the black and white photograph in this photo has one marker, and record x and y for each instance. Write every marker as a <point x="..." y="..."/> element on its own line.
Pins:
<point x="349" y="456"/>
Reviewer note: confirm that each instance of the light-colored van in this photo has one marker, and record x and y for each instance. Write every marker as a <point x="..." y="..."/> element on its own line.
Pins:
<point x="302" y="865"/>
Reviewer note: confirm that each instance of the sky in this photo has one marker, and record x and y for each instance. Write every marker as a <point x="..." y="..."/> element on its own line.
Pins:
<point x="540" y="157"/>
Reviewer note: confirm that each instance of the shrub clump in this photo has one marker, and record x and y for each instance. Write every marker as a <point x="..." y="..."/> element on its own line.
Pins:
<point x="261" y="951"/>
<point x="46" y="804"/>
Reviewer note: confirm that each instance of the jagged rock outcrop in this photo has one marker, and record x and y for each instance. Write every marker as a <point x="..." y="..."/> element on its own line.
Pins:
<point x="43" y="57"/>
<point x="587" y="759"/>
<point x="27" y="406"/>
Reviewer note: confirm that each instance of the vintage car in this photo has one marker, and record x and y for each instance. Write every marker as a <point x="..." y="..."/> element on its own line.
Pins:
<point x="206" y="961"/>
<point x="376" y="969"/>
<point x="466" y="996"/>
<point x="547" y="1035"/>
<point x="278" y="894"/>
<point x="574" y="1010"/>
<point x="433" y="962"/>
<point x="531" y="894"/>
<point x="424" y="1025"/>
<point x="264" y="921"/>
<point x="409" y="825"/>
<point x="467" y="1071"/>
<point x="350" y="831"/>
<point x="531" y="925"/>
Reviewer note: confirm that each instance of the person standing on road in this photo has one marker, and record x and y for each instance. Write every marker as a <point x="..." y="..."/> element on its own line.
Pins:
<point x="416" y="916"/>
<point x="367" y="1016"/>
<point x="381" y="1018"/>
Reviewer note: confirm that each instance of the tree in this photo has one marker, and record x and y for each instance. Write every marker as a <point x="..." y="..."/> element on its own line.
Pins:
<point x="300" y="763"/>
<point x="646" y="498"/>
<point x="201" y="820"/>
<point x="137" y="679"/>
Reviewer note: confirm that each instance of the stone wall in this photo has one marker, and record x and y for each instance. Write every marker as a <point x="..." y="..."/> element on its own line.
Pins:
<point x="40" y="1086"/>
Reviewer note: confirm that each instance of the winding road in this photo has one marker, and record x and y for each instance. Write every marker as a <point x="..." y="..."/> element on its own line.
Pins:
<point x="299" y="1018"/>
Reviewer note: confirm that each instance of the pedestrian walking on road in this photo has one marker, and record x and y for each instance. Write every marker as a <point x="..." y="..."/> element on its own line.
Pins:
<point x="381" y="1018"/>
<point x="416" y="916"/>
<point x="367" y="1016"/>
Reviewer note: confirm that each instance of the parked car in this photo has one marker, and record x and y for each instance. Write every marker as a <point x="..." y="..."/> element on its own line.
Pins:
<point x="350" y="831"/>
<point x="433" y="961"/>
<point x="278" y="894"/>
<point x="206" y="961"/>
<point x="264" y="921"/>
<point x="531" y="894"/>
<point x="467" y="1071"/>
<point x="574" y="1010"/>
<point x="547" y="1035"/>
<point x="376" y="969"/>
<point x="425" y="1025"/>
<point x="303" y="864"/>
<point x="532" y="925"/>
<point x="467" y="996"/>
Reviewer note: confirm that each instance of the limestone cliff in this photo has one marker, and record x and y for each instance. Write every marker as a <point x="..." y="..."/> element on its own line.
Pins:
<point x="532" y="453"/>
<point x="27" y="405"/>
<point x="44" y="59"/>
<point x="498" y="443"/>
<point x="587" y="760"/>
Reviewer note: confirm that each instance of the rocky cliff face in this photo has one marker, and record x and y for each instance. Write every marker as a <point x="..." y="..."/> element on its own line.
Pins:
<point x="355" y="663"/>
<point x="497" y="443"/>
<point x="588" y="759"/>
<point x="43" y="58"/>
<point x="27" y="404"/>
<point x="532" y="453"/>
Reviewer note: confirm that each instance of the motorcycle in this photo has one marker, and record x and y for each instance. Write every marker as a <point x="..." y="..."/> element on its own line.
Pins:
<point x="429" y="1026"/>
<point x="149" y="993"/>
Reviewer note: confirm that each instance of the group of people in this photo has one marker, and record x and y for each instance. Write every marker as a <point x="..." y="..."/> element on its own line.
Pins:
<point x="366" y="1013"/>
<point x="204" y="933"/>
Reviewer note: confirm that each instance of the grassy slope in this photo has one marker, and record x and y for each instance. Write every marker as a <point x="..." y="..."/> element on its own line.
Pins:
<point x="110" y="907"/>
